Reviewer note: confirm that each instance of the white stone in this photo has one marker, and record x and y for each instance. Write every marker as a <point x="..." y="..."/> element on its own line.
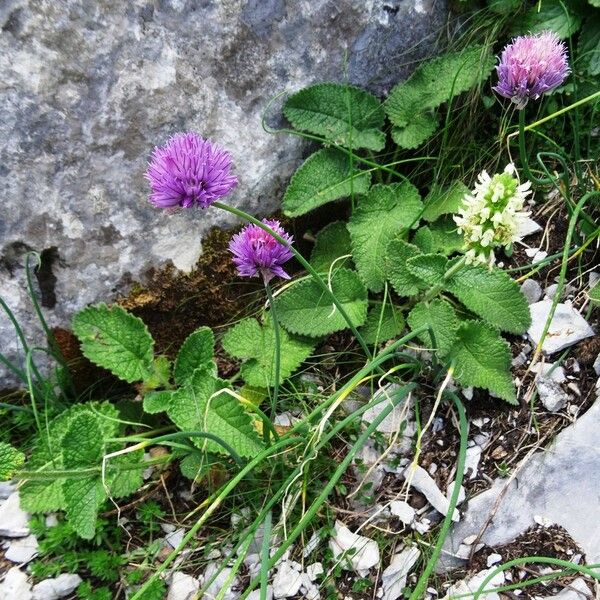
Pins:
<point x="366" y="553"/>
<point x="182" y="587"/>
<point x="567" y="327"/>
<point x="396" y="419"/>
<point x="461" y="493"/>
<point x="287" y="580"/>
<point x="419" y="479"/>
<point x="597" y="365"/>
<point x="473" y="583"/>
<point x="472" y="458"/>
<point x="314" y="570"/>
<point x="14" y="522"/>
<point x="493" y="559"/>
<point x="22" y="550"/>
<point x="15" y="586"/>
<point x="403" y="510"/>
<point x="527" y="227"/>
<point x="550" y="371"/>
<point x="532" y="290"/>
<point x="255" y="594"/>
<point x="551" y="394"/>
<point x="559" y="483"/>
<point x="218" y="584"/>
<point x="576" y="590"/>
<point x="6" y="489"/>
<point x="59" y="587"/>
<point x="285" y="419"/>
<point x="550" y="291"/>
<point x="315" y="540"/>
<point x="393" y="578"/>
<point x="174" y="538"/>
<point x="51" y="520"/>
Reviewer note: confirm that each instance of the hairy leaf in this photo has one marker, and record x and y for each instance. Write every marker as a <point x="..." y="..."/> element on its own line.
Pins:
<point x="332" y="242"/>
<point x="256" y="343"/>
<point x="446" y="239"/>
<point x="402" y="280"/>
<point x="126" y="473"/>
<point x="306" y="310"/>
<point x="436" y="81"/>
<point x="157" y="402"/>
<point x="482" y="359"/>
<point x="423" y="240"/>
<point x="589" y="45"/>
<point x="10" y="460"/>
<point x="198" y="406"/>
<point x="429" y="268"/>
<point x="324" y="176"/>
<point x="344" y="114"/>
<point x="443" y="201"/>
<point x="116" y="340"/>
<point x="549" y="15"/>
<point x="83" y="447"/>
<point x="196" y="351"/>
<point x="379" y="217"/>
<point x="493" y="296"/>
<point x="383" y="323"/>
<point x="441" y="318"/>
<point x="594" y="293"/>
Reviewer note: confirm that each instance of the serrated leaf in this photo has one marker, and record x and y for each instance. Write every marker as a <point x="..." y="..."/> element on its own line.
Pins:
<point x="423" y="240"/>
<point x="197" y="350"/>
<point x="402" y="280"/>
<point x="443" y="201"/>
<point x="429" y="268"/>
<point x="379" y="217"/>
<point x="305" y="309"/>
<point x="446" y="239"/>
<point x="589" y="45"/>
<point x="549" y="15"/>
<point x="324" y="176"/>
<point x="441" y="318"/>
<point x="123" y="478"/>
<point x="594" y="293"/>
<point x="331" y="243"/>
<point x="344" y="114"/>
<point x="493" y="296"/>
<point x="157" y="402"/>
<point x="116" y="340"/>
<point x="410" y="103"/>
<point x="83" y="447"/>
<point x="44" y="496"/>
<point x="198" y="406"/>
<point x="10" y="460"/>
<point x="382" y="325"/>
<point x="256" y="344"/>
<point x="482" y="359"/>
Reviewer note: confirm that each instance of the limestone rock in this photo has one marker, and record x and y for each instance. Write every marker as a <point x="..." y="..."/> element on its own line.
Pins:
<point x="56" y="588"/>
<point x="88" y="88"/>
<point x="577" y="590"/>
<point x="365" y="552"/>
<point x="419" y="479"/>
<point x="532" y="290"/>
<point x="287" y="580"/>
<point x="16" y="585"/>
<point x="22" y="550"/>
<point x="393" y="578"/>
<point x="14" y="521"/>
<point x="182" y="587"/>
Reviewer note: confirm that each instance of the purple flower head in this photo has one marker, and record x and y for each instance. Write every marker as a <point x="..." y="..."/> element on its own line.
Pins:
<point x="189" y="171"/>
<point x="257" y="252"/>
<point x="530" y="66"/>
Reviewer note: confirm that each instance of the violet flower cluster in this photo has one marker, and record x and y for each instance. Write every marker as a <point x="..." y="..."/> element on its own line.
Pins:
<point x="530" y="66"/>
<point x="189" y="171"/>
<point x="256" y="252"/>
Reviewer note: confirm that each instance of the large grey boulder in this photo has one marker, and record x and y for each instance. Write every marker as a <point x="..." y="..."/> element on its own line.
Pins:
<point x="88" y="88"/>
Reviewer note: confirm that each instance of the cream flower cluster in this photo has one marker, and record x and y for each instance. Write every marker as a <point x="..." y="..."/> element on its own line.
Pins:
<point x="492" y="214"/>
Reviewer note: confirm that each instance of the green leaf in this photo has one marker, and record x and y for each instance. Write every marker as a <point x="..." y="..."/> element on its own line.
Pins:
<point x="595" y="3"/>
<point x="482" y="359"/>
<point x="410" y="103"/>
<point x="441" y="318"/>
<point x="382" y="325"/>
<point x="116" y="340"/>
<point x="10" y="460"/>
<point x="83" y="447"/>
<point x="594" y="293"/>
<point x="550" y="16"/>
<point x="446" y="239"/>
<point x="443" y="201"/>
<point x="493" y="296"/>
<point x="124" y="478"/>
<point x="157" y="402"/>
<point x="423" y="240"/>
<point x="402" y="280"/>
<point x="198" y="406"/>
<point x="379" y="217"/>
<point x="256" y="344"/>
<point x="197" y="350"/>
<point x="589" y="45"/>
<point x="504" y="7"/>
<point x="344" y="114"/>
<point x="45" y="496"/>
<point x="429" y="268"/>
<point x="306" y="310"/>
<point x="332" y="242"/>
<point x="324" y="176"/>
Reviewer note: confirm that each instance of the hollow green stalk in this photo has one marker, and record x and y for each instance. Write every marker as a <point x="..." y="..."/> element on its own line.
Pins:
<point x="277" y="358"/>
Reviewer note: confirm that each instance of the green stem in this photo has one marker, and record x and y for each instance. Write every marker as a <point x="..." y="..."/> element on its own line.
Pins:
<point x="419" y="591"/>
<point x="523" y="152"/>
<point x="436" y="289"/>
<point x="243" y="215"/>
<point x="277" y="357"/>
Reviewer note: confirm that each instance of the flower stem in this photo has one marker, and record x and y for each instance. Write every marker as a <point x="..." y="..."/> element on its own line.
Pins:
<point x="523" y="152"/>
<point x="243" y="215"/>
<point x="436" y="289"/>
<point x="277" y="361"/>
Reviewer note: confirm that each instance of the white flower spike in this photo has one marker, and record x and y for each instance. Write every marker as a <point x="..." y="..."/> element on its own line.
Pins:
<point x="491" y="215"/>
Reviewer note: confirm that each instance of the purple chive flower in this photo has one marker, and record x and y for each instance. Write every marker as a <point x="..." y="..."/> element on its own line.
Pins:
<point x="530" y="66"/>
<point x="189" y="171"/>
<point x="257" y="252"/>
